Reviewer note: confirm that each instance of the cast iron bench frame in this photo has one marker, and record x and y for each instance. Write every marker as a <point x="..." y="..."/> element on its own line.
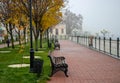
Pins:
<point x="58" y="64"/>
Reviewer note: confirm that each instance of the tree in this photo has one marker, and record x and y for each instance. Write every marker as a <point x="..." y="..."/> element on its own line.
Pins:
<point x="104" y="32"/>
<point x="54" y="19"/>
<point x="72" y="21"/>
<point x="6" y="17"/>
<point x="97" y="34"/>
<point x="39" y="8"/>
<point x="21" y="26"/>
<point x="13" y="18"/>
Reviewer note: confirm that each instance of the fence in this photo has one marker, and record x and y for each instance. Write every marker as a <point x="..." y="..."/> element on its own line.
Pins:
<point x="108" y="46"/>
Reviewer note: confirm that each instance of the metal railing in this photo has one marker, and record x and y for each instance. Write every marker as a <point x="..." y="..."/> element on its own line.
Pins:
<point x="105" y="45"/>
<point x="108" y="46"/>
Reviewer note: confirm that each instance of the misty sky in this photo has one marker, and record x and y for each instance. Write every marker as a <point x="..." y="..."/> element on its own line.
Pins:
<point x="98" y="14"/>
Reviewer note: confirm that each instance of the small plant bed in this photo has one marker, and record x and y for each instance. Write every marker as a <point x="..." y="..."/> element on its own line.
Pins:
<point x="27" y="57"/>
<point x="18" y="65"/>
<point x="5" y="51"/>
<point x="39" y="51"/>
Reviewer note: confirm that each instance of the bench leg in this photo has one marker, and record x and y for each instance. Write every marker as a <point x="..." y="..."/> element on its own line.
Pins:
<point x="66" y="72"/>
<point x="53" y="72"/>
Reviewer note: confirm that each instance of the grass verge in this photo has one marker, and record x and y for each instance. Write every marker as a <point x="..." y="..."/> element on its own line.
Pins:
<point x="22" y="75"/>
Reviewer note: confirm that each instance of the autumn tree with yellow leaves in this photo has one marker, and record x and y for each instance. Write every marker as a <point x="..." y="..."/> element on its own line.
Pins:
<point x="13" y="19"/>
<point x="7" y="17"/>
<point x="45" y="14"/>
<point x="49" y="20"/>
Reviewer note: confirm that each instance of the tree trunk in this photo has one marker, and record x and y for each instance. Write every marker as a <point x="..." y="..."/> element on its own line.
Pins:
<point x="19" y="37"/>
<point x="36" y="44"/>
<point x="40" y="40"/>
<point x="48" y="39"/>
<point x="11" y="35"/>
<point x="25" y="40"/>
<point x="6" y="26"/>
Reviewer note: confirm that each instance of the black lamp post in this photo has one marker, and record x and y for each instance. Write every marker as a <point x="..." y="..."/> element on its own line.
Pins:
<point x="31" y="38"/>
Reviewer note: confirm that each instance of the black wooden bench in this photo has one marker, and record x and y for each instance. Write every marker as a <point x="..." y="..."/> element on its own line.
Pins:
<point x="58" y="64"/>
<point x="57" y="45"/>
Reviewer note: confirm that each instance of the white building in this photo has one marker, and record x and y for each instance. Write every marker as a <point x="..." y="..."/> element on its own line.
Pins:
<point x="59" y="30"/>
<point x="74" y="28"/>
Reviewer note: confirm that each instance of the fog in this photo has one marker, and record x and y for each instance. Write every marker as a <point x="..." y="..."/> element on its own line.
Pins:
<point x="98" y="15"/>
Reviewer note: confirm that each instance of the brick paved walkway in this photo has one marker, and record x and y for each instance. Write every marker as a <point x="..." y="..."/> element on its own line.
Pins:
<point x="86" y="65"/>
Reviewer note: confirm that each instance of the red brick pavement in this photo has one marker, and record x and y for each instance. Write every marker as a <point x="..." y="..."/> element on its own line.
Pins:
<point x="86" y="65"/>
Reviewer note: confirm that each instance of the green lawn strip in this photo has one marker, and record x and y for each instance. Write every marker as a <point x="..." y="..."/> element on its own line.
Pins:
<point x="22" y="75"/>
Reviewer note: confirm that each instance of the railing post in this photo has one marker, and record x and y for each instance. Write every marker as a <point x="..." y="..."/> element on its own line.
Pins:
<point x="99" y="43"/>
<point x="110" y="45"/>
<point x="86" y="40"/>
<point x="72" y="38"/>
<point x="80" y="40"/>
<point x="95" y="42"/>
<point x="117" y="47"/>
<point x="77" y="39"/>
<point x="104" y="43"/>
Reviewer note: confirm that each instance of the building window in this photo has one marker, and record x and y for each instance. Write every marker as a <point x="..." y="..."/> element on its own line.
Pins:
<point x="62" y="31"/>
<point x="56" y="31"/>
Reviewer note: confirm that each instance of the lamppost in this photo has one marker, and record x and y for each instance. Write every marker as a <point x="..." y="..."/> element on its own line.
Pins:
<point x="31" y="38"/>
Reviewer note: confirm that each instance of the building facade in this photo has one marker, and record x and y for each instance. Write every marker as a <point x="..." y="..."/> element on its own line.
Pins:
<point x="59" y="30"/>
<point x="71" y="25"/>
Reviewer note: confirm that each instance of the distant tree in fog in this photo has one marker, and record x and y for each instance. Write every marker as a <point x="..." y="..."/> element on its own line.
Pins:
<point x="72" y="21"/>
<point x="104" y="32"/>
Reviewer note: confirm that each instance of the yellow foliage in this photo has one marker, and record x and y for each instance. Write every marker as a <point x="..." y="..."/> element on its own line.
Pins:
<point x="53" y="15"/>
<point x="50" y="20"/>
<point x="47" y="13"/>
<point x="21" y="49"/>
<point x="20" y="28"/>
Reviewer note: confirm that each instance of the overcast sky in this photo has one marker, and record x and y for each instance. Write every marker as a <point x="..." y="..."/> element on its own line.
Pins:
<point x="98" y="14"/>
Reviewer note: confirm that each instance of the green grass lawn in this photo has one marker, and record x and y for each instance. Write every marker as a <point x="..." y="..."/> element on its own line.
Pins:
<point x="22" y="75"/>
